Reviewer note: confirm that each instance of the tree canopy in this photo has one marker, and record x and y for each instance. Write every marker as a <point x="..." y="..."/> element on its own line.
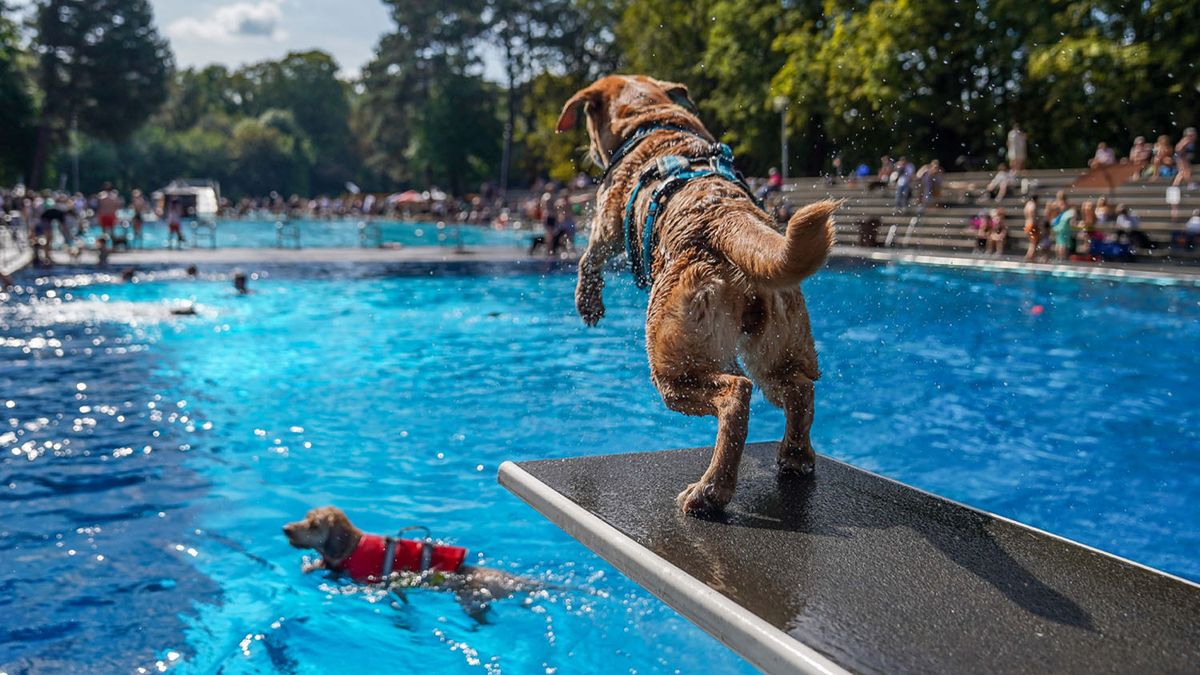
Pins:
<point x="16" y="102"/>
<point x="101" y="66"/>
<point x="857" y="78"/>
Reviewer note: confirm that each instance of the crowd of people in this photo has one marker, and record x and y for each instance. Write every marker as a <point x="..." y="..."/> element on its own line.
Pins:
<point x="108" y="220"/>
<point x="57" y="220"/>
<point x="1061" y="229"/>
<point x="556" y="210"/>
<point x="1162" y="160"/>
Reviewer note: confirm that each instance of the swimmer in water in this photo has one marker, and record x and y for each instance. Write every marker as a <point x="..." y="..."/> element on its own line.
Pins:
<point x="191" y="271"/>
<point x="186" y="309"/>
<point x="239" y="283"/>
<point x="128" y="274"/>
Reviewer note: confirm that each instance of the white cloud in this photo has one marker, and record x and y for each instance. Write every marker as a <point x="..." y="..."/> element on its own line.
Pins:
<point x="229" y="23"/>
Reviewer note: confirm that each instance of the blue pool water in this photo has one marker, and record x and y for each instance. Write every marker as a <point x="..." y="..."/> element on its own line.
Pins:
<point x="147" y="463"/>
<point x="339" y="234"/>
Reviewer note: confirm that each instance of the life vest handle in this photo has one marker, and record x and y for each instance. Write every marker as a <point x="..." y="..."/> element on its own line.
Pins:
<point x="412" y="528"/>
<point x="426" y="549"/>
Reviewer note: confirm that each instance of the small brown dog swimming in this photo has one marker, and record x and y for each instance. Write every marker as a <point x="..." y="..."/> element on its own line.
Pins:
<point x="723" y="282"/>
<point x="368" y="558"/>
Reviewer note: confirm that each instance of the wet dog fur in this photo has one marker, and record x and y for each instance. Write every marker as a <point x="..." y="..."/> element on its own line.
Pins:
<point x="726" y="283"/>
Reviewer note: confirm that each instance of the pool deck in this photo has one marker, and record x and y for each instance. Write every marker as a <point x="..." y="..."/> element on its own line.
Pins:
<point x="1113" y="271"/>
<point x="301" y="256"/>
<point x="1153" y="272"/>
<point x="850" y="571"/>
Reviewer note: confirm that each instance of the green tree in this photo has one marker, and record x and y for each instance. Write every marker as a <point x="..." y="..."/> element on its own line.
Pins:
<point x="1109" y="71"/>
<point x="16" y="102"/>
<point x="567" y="37"/>
<point x="554" y="48"/>
<point x="306" y="84"/>
<point x="667" y="39"/>
<point x="921" y="77"/>
<point x="456" y="145"/>
<point x="101" y="65"/>
<point x="740" y="62"/>
<point x="433" y="44"/>
<point x="269" y="153"/>
<point x="197" y="93"/>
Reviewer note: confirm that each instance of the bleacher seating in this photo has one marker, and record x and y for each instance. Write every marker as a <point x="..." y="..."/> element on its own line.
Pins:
<point x="947" y="226"/>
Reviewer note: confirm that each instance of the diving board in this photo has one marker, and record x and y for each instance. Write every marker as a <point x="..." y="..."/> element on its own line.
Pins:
<point x="852" y="572"/>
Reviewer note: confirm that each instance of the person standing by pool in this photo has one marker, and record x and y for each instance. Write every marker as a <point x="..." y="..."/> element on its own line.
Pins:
<point x="997" y="233"/>
<point x="136" y="223"/>
<point x="904" y="179"/>
<point x="43" y="233"/>
<point x="1063" y="227"/>
<point x="174" y="225"/>
<point x="107" y="203"/>
<point x="564" y="232"/>
<point x="1087" y="228"/>
<point x="1033" y="229"/>
<point x="549" y="223"/>
<point x="1016" y="148"/>
<point x="1185" y="154"/>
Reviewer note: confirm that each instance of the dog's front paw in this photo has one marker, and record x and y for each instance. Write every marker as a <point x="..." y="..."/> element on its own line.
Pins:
<point x="794" y="466"/>
<point x="700" y="499"/>
<point x="590" y="306"/>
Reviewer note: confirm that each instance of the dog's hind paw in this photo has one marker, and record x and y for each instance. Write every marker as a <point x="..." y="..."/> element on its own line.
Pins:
<point x="795" y="467"/>
<point x="699" y="499"/>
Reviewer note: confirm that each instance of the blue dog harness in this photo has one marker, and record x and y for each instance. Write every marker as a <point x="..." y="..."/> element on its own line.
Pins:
<point x="674" y="171"/>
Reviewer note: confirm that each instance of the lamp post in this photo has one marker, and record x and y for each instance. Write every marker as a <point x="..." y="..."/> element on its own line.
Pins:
<point x="781" y="106"/>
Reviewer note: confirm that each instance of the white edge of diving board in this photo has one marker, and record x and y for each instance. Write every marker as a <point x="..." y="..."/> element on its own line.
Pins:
<point x="759" y="642"/>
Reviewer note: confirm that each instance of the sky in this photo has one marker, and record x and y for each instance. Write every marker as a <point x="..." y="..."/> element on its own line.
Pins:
<point x="236" y="32"/>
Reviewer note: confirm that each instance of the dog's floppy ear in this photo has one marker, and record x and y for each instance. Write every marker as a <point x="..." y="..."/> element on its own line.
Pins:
<point x="570" y="112"/>
<point x="678" y="93"/>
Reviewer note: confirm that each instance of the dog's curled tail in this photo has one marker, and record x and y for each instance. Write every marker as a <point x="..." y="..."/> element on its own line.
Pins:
<point x="773" y="260"/>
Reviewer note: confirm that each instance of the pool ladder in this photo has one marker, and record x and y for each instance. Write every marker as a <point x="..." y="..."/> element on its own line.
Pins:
<point x="369" y="235"/>
<point x="206" y="229"/>
<point x="287" y="234"/>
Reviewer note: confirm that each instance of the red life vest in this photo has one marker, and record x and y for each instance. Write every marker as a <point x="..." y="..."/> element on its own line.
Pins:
<point x="367" y="563"/>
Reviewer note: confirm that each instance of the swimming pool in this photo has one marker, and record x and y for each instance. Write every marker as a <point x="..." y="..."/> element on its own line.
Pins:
<point x="151" y="533"/>
<point x="238" y="233"/>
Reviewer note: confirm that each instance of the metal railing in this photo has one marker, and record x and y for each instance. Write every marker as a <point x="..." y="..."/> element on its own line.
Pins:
<point x="14" y="234"/>
<point x="14" y="238"/>
<point x="206" y="229"/>
<point x="369" y="235"/>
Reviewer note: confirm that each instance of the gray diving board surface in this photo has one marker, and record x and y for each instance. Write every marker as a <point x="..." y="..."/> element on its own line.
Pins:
<point x="850" y="571"/>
